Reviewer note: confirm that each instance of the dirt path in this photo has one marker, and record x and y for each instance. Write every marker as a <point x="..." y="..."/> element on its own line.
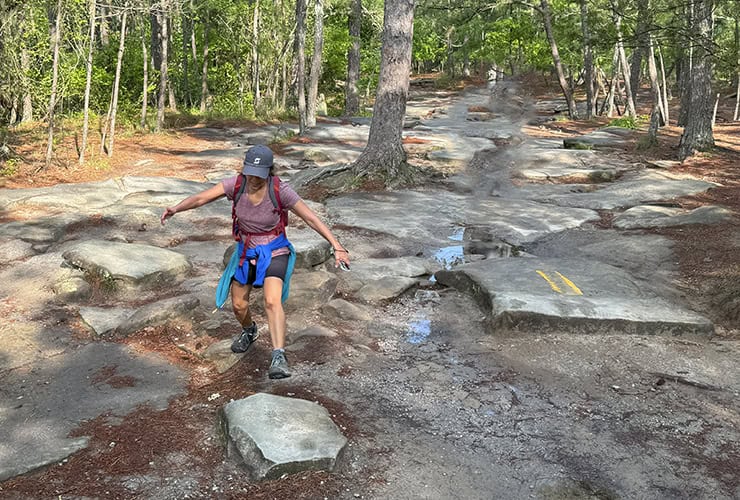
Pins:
<point x="433" y="406"/>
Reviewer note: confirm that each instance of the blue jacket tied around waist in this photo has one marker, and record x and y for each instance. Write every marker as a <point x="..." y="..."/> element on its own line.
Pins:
<point x="263" y="255"/>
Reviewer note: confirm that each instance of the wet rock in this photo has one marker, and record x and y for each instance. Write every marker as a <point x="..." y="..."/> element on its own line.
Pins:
<point x="341" y="309"/>
<point x="274" y="435"/>
<point x="159" y="313"/>
<point x="385" y="288"/>
<point x="127" y="264"/>
<point x="220" y="354"/>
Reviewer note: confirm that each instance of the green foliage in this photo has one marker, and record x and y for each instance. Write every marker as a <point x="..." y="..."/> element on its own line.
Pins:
<point x="629" y="122"/>
<point x="9" y="167"/>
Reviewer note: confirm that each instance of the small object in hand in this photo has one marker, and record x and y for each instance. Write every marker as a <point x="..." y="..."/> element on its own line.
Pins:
<point x="344" y="265"/>
<point x="142" y="227"/>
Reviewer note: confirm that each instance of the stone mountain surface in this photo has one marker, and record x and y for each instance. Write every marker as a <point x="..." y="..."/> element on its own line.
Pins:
<point x="456" y="341"/>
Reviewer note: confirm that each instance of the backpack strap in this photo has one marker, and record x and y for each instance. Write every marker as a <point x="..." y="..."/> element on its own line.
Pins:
<point x="239" y="187"/>
<point x="273" y="190"/>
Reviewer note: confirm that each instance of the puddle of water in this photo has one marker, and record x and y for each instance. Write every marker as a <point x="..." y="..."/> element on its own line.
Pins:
<point x="457" y="234"/>
<point x="419" y="329"/>
<point x="450" y="256"/>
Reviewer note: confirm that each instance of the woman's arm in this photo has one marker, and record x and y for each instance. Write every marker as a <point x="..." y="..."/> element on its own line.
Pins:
<point x="341" y="255"/>
<point x="195" y="201"/>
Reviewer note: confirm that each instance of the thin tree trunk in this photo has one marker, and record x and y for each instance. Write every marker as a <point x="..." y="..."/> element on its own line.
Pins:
<point x="698" y="131"/>
<point x="300" y="50"/>
<point x="656" y="113"/>
<point x="116" y="83"/>
<point x="187" y="27"/>
<point x="256" y="56"/>
<point x="145" y="78"/>
<point x="613" y="84"/>
<point x="666" y="115"/>
<point x="286" y="84"/>
<point x="104" y="38"/>
<point x="204" y="72"/>
<point x="687" y="69"/>
<point x="171" y="98"/>
<point x="88" y="83"/>
<point x="714" y="113"/>
<point x="318" y="47"/>
<point x="352" y="94"/>
<point x="13" y="111"/>
<point x="623" y="62"/>
<point x="547" y="18"/>
<point x="737" y="74"/>
<point x="588" y="62"/>
<point x="384" y="153"/>
<point x="162" y="21"/>
<point x="642" y="29"/>
<point x="27" y="113"/>
<point x="55" y="41"/>
<point x="193" y="46"/>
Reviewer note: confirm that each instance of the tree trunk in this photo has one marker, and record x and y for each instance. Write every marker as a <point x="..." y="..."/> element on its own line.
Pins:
<point x="642" y="29"/>
<point x="204" y="72"/>
<point x="104" y="38"/>
<point x="547" y="18"/>
<point x="737" y="71"/>
<point x="88" y="83"/>
<point x="286" y="84"/>
<point x="623" y="62"/>
<point x="55" y="40"/>
<point x="714" y="112"/>
<point x="145" y="78"/>
<point x="193" y="46"/>
<point x="466" y="57"/>
<point x="666" y="113"/>
<point x="352" y="94"/>
<point x="450" y="62"/>
<point x="164" y="38"/>
<point x="588" y="62"/>
<point x="27" y="112"/>
<point x="698" y="134"/>
<point x="300" y="51"/>
<point x="613" y="85"/>
<point x="116" y="83"/>
<point x="656" y="118"/>
<point x="256" y="56"/>
<point x="171" y="98"/>
<point x="187" y="27"/>
<point x="687" y="67"/>
<point x="384" y="153"/>
<point x="318" y="47"/>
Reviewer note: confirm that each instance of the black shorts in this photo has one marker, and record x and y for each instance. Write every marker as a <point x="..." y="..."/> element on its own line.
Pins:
<point x="277" y="269"/>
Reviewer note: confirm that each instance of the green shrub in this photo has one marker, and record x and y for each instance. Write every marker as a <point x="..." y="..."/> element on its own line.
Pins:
<point x="629" y="122"/>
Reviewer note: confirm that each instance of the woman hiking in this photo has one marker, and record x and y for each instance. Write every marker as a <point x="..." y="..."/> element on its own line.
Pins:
<point x="263" y="257"/>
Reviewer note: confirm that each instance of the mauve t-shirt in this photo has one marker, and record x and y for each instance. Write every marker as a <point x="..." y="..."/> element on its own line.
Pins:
<point x="260" y="218"/>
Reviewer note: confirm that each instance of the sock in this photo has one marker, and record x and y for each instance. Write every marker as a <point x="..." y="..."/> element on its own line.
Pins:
<point x="276" y="351"/>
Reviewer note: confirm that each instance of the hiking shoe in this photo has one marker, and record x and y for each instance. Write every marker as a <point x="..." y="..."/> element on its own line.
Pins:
<point x="245" y="339"/>
<point x="278" y="366"/>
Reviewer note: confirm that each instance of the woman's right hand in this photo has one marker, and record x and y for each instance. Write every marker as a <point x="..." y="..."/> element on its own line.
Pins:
<point x="168" y="212"/>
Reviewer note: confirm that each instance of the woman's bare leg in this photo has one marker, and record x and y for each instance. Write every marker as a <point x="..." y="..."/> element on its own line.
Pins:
<point x="273" y="291"/>
<point x="240" y="303"/>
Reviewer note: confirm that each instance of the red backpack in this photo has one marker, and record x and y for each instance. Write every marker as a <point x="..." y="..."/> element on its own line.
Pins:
<point x="273" y="190"/>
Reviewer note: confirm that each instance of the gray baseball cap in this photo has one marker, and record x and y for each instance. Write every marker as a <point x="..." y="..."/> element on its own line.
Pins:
<point x="258" y="161"/>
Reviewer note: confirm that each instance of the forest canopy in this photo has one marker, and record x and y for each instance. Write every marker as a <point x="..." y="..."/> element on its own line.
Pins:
<point x="139" y="60"/>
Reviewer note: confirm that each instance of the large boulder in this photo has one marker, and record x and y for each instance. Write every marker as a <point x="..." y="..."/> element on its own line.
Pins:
<point x="274" y="435"/>
<point x="126" y="264"/>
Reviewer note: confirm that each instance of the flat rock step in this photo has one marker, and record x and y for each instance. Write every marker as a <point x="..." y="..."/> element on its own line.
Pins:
<point x="568" y="294"/>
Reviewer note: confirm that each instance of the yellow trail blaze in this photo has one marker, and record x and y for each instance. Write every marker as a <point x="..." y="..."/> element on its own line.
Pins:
<point x="570" y="284"/>
<point x="553" y="285"/>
